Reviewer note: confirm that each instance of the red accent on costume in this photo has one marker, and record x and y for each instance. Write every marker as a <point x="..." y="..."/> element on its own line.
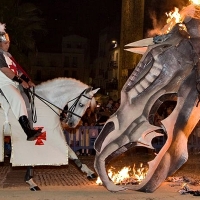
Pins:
<point x="40" y="138"/>
<point x="13" y="68"/>
<point x="39" y="142"/>
<point x="19" y="67"/>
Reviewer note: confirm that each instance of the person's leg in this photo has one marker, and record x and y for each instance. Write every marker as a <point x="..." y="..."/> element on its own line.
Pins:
<point x="18" y="106"/>
<point x="15" y="100"/>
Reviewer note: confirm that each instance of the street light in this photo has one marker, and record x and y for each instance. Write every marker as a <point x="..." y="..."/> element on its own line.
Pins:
<point x="114" y="42"/>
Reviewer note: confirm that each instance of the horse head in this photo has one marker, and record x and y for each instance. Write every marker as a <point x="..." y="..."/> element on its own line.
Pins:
<point x="78" y="106"/>
<point x="68" y="92"/>
<point x="168" y="69"/>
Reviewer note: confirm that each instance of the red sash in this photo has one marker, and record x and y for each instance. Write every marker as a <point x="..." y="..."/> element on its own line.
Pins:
<point x="19" y="67"/>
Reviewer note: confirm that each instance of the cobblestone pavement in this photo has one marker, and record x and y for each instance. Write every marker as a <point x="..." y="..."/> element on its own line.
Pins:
<point x="68" y="175"/>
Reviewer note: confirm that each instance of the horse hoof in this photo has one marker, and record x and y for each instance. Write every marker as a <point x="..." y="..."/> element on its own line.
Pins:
<point x="92" y="177"/>
<point x="35" y="188"/>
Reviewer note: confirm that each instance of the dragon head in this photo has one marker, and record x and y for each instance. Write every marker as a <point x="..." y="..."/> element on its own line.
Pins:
<point x="167" y="70"/>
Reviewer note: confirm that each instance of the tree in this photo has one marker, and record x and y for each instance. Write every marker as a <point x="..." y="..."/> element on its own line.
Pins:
<point x="23" y="21"/>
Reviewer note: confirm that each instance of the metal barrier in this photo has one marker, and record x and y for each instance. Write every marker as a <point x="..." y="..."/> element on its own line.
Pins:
<point x="85" y="136"/>
<point x="82" y="137"/>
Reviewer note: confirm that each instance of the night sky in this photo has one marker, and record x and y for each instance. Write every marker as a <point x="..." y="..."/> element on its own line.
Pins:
<point x="87" y="17"/>
<point x="82" y="17"/>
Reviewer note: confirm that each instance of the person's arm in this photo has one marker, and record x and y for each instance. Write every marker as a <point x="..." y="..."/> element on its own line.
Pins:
<point x="10" y="74"/>
<point x="29" y="81"/>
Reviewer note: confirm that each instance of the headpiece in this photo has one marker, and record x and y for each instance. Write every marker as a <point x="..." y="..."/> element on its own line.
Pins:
<point x="3" y="35"/>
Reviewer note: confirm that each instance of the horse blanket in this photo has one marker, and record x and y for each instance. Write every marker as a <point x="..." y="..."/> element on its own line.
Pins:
<point x="48" y="149"/>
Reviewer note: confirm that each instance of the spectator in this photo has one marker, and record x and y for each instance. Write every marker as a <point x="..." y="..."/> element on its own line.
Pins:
<point x="110" y="104"/>
<point x="89" y="117"/>
<point x="115" y="107"/>
<point x="85" y="139"/>
<point x="103" y="116"/>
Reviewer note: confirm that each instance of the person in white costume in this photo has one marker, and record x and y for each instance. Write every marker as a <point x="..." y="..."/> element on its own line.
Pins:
<point x="11" y="75"/>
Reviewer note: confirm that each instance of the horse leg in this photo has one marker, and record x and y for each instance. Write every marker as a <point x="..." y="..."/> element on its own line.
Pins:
<point x="28" y="178"/>
<point x="83" y="167"/>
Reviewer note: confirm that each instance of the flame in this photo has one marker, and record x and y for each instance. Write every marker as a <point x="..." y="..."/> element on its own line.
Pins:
<point x="173" y="18"/>
<point x="126" y="175"/>
<point x="176" y="16"/>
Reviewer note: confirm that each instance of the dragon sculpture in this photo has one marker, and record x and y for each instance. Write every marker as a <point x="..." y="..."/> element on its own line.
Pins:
<point x="169" y="68"/>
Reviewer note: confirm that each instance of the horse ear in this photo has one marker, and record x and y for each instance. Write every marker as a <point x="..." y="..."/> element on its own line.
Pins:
<point x="94" y="91"/>
<point x="93" y="104"/>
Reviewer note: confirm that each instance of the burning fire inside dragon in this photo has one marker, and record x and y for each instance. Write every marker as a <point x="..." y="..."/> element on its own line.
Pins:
<point x="169" y="68"/>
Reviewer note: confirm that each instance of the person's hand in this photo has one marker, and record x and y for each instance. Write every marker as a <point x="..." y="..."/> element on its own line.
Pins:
<point x="31" y="84"/>
<point x="25" y="84"/>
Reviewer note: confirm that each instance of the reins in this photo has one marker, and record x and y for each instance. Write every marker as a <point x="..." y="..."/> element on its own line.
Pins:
<point x="32" y="102"/>
<point x="70" y="110"/>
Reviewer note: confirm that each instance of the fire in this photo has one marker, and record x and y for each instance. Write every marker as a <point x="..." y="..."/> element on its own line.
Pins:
<point x="173" y="18"/>
<point x="126" y="175"/>
<point x="177" y="16"/>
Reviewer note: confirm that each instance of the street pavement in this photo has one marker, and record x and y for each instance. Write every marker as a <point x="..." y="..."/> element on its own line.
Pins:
<point x="66" y="175"/>
<point x="68" y="183"/>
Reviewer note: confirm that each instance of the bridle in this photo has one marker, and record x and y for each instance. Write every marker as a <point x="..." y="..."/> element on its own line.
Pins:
<point x="70" y="112"/>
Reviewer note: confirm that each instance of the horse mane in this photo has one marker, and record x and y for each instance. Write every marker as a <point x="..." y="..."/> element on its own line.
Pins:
<point x="60" y="82"/>
<point x="57" y="89"/>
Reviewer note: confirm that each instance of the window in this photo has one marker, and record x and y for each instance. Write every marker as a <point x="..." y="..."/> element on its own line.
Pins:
<point x="75" y="62"/>
<point x="53" y="63"/>
<point x="74" y="74"/>
<point x="66" y="73"/>
<point x="51" y="75"/>
<point x="66" y="61"/>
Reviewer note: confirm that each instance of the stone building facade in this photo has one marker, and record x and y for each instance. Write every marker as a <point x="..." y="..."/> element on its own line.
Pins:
<point x="73" y="61"/>
<point x="132" y="21"/>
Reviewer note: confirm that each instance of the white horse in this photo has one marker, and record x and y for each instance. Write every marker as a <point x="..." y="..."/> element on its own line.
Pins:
<point x="50" y="148"/>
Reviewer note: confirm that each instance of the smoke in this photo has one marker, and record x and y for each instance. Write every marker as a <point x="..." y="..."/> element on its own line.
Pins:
<point x="157" y="26"/>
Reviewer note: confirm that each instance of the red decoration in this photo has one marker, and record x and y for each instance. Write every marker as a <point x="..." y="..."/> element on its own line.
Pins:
<point x="39" y="142"/>
<point x="18" y="67"/>
<point x="39" y="139"/>
<point x="13" y="68"/>
<point x="42" y="136"/>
